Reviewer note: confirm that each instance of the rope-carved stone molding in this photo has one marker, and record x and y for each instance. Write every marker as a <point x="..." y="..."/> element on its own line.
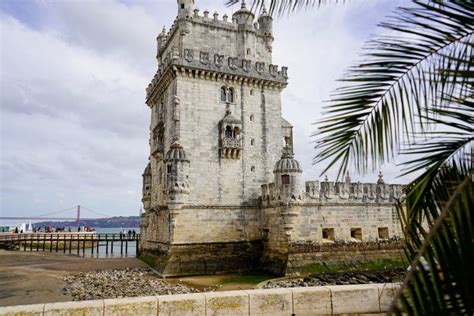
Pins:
<point x="216" y="66"/>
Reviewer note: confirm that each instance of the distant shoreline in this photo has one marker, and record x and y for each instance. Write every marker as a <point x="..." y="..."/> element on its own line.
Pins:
<point x="112" y="222"/>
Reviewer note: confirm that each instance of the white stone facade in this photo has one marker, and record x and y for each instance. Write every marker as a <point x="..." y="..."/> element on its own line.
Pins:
<point x="222" y="173"/>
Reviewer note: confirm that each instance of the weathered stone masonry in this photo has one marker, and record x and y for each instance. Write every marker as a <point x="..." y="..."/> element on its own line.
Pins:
<point x="222" y="191"/>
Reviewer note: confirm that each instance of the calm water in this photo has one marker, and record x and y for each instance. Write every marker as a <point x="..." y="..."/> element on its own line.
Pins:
<point x="131" y="250"/>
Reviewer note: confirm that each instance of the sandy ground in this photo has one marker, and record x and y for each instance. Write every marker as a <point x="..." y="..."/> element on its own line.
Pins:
<point x="30" y="277"/>
<point x="37" y="277"/>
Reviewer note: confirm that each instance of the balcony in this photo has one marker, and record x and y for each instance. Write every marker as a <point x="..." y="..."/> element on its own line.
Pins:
<point x="231" y="148"/>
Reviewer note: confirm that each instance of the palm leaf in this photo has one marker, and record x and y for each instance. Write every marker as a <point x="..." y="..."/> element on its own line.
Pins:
<point x="390" y="95"/>
<point x="444" y="282"/>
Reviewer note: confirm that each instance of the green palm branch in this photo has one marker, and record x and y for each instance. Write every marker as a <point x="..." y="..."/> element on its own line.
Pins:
<point x="413" y="95"/>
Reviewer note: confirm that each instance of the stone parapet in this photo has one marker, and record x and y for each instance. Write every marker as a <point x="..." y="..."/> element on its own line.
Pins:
<point x="338" y="193"/>
<point x="320" y="300"/>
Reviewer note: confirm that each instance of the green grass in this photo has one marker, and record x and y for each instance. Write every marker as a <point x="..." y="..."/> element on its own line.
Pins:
<point x="383" y="264"/>
<point x="246" y="279"/>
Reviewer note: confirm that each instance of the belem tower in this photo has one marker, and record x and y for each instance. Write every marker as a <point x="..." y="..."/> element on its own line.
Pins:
<point x="222" y="191"/>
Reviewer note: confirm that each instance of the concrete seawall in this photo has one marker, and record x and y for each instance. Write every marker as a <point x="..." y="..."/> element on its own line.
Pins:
<point x="328" y="300"/>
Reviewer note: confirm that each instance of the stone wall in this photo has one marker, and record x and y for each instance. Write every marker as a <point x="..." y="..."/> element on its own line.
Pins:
<point x="300" y="234"/>
<point x="214" y="180"/>
<point x="326" y="300"/>
<point x="204" y="240"/>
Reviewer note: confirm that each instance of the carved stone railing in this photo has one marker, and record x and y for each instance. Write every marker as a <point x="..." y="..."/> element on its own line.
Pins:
<point x="230" y="142"/>
<point x="231" y="148"/>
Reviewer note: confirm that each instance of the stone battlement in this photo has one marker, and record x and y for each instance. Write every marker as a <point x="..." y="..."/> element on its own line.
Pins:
<point x="338" y="192"/>
<point x="205" y="63"/>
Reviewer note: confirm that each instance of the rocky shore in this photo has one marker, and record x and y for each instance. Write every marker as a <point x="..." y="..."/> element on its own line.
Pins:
<point x="142" y="282"/>
<point x="119" y="283"/>
<point x="344" y="278"/>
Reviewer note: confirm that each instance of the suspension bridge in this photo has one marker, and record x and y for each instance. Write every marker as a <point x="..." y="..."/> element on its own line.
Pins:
<point x="59" y="215"/>
<point x="83" y="243"/>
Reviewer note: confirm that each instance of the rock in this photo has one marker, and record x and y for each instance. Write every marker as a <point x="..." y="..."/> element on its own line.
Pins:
<point x="119" y="283"/>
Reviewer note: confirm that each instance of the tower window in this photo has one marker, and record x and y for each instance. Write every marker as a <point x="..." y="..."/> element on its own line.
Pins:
<point x="383" y="232"/>
<point x="228" y="132"/>
<point x="227" y="94"/>
<point x="251" y="118"/>
<point x="230" y="95"/>
<point x="251" y="91"/>
<point x="328" y="233"/>
<point x="252" y="142"/>
<point x="356" y="233"/>
<point x="252" y="168"/>
<point x="248" y="51"/>
<point x="285" y="179"/>
<point x="182" y="6"/>
<point x="168" y="169"/>
<point x="223" y="94"/>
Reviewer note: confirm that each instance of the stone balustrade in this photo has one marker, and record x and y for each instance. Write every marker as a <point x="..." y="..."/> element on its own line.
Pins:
<point x="338" y="299"/>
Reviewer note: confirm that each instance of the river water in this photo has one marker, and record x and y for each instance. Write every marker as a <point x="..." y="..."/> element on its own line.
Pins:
<point x="131" y="250"/>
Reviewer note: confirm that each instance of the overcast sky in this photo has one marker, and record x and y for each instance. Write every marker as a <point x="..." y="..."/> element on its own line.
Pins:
<point x="74" y="125"/>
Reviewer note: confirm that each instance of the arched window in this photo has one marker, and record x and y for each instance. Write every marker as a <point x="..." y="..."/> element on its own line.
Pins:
<point x="223" y="94"/>
<point x="236" y="132"/>
<point x="252" y="142"/>
<point x="251" y="118"/>
<point x="230" y="95"/>
<point x="228" y="132"/>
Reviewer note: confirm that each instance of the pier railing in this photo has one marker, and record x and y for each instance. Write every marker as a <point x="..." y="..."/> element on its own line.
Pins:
<point x="80" y="243"/>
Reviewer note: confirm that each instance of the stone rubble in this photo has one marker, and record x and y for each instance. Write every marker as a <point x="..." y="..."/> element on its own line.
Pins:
<point x="119" y="283"/>
<point x="345" y="278"/>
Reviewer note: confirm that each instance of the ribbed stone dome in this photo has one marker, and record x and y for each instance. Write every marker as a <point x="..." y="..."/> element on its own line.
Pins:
<point x="244" y="15"/>
<point x="147" y="170"/>
<point x="176" y="153"/>
<point x="287" y="163"/>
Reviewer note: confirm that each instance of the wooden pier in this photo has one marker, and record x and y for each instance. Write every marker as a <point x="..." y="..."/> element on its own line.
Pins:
<point x="72" y="243"/>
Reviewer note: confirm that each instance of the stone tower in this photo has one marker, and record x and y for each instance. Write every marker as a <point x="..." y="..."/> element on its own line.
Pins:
<point x="216" y="133"/>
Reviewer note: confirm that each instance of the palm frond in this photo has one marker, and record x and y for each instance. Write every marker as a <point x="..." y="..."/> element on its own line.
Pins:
<point x="441" y="279"/>
<point x="390" y="95"/>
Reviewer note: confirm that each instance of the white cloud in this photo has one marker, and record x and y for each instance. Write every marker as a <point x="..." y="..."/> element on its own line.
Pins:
<point x="74" y="126"/>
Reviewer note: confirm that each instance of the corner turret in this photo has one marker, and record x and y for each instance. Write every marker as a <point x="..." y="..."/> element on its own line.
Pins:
<point x="287" y="174"/>
<point x="177" y="175"/>
<point x="244" y="17"/>
<point x="161" y="41"/>
<point x="146" y="199"/>
<point x="185" y="8"/>
<point x="265" y="23"/>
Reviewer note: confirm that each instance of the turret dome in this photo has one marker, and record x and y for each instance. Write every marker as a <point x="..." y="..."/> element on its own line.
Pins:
<point x="287" y="163"/>
<point x="176" y="153"/>
<point x="244" y="15"/>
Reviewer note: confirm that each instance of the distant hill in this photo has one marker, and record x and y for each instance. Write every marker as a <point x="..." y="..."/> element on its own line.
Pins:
<point x="117" y="221"/>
